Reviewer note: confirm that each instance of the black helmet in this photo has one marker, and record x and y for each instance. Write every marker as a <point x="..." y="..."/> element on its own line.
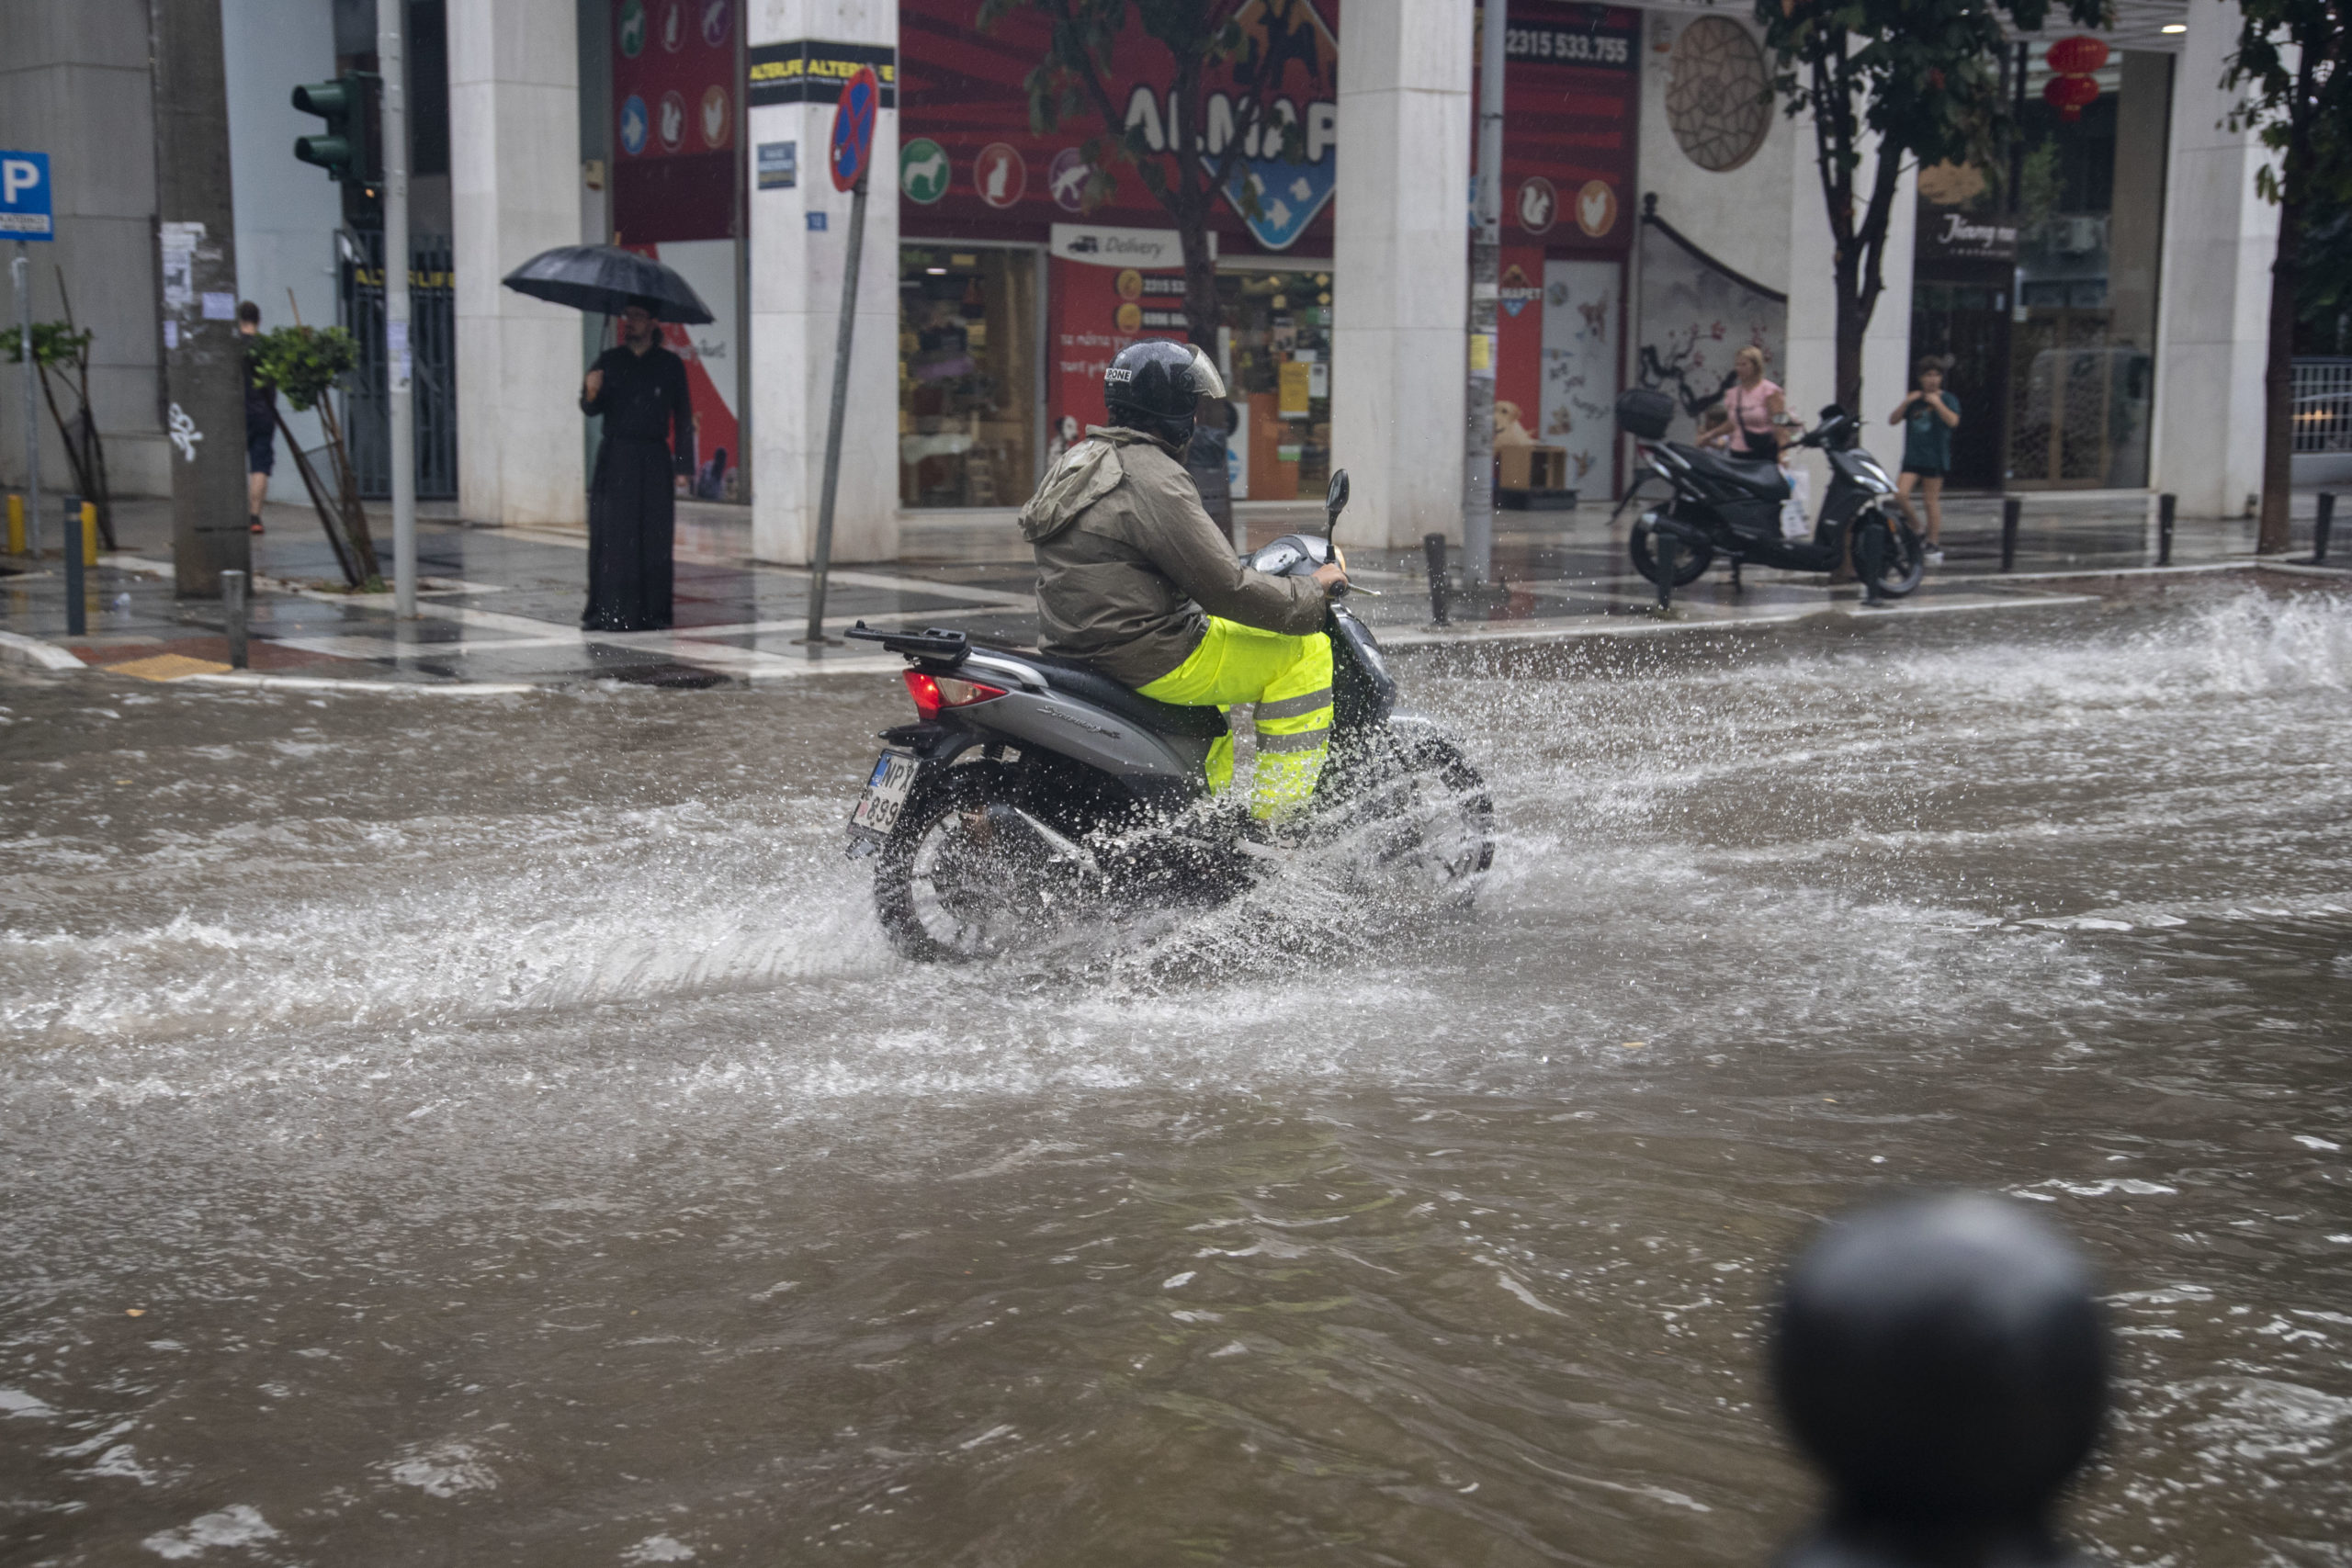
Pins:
<point x="1151" y="387"/>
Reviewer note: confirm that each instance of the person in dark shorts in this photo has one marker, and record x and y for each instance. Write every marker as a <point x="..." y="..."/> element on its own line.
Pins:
<point x="261" y="422"/>
<point x="1928" y="414"/>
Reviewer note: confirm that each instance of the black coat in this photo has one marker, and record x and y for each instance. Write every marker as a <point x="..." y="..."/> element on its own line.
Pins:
<point x="632" y="504"/>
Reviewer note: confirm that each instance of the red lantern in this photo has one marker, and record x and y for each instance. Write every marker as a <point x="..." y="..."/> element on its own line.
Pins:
<point x="2068" y="94"/>
<point x="2078" y="55"/>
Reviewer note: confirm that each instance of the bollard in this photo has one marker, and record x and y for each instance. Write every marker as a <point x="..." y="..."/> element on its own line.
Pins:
<point x="2322" y="527"/>
<point x="77" y="615"/>
<point x="232" y="607"/>
<point x="1433" y="551"/>
<point x="1944" y="1359"/>
<point x="89" y="532"/>
<point x="2011" y="508"/>
<point x="16" y="524"/>
<point x="2165" y="506"/>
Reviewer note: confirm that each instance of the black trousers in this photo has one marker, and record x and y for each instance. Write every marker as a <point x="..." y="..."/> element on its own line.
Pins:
<point x="632" y="524"/>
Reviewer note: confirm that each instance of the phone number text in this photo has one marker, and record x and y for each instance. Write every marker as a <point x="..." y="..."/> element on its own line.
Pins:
<point x="1570" y="47"/>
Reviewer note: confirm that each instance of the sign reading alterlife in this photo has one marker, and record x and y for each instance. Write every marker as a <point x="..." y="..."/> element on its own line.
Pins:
<point x="25" y="203"/>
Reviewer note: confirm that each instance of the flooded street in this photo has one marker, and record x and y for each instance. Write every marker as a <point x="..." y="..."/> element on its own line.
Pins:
<point x="438" y="1129"/>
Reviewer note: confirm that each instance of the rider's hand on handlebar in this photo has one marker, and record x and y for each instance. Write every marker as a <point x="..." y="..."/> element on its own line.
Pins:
<point x="1332" y="576"/>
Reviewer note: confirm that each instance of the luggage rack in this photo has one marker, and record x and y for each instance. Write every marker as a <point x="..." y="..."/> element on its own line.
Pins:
<point x="934" y="644"/>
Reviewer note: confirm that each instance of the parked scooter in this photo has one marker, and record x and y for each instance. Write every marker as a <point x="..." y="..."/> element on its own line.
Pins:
<point x="1731" y="506"/>
<point x="1033" y="796"/>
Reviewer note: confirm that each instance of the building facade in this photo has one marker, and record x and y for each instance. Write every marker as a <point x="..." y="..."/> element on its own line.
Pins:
<point x="2099" y="302"/>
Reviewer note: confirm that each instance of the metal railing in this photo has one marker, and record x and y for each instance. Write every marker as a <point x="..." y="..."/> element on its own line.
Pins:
<point x="2323" y="416"/>
<point x="433" y="339"/>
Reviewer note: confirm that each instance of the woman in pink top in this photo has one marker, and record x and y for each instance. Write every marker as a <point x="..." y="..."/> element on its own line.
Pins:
<point x="1746" y="422"/>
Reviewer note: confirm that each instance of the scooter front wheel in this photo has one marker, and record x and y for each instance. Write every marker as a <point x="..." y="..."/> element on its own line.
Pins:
<point x="1690" y="561"/>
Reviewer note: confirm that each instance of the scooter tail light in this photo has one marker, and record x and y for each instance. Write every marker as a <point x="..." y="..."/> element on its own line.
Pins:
<point x="933" y="693"/>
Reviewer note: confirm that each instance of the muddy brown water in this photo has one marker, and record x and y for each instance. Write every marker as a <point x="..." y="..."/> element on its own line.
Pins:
<point x="446" y="1131"/>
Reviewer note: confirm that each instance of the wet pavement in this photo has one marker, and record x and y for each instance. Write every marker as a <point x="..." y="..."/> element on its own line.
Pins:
<point x="501" y="606"/>
<point x="496" y="1130"/>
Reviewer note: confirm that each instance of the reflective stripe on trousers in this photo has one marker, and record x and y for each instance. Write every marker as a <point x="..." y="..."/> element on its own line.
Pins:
<point x="1289" y="680"/>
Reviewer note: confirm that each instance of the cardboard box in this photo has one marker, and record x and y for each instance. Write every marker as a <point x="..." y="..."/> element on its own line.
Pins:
<point x="1533" y="467"/>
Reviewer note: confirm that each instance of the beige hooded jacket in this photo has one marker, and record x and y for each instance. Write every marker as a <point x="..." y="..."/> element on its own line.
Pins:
<point x="1129" y="563"/>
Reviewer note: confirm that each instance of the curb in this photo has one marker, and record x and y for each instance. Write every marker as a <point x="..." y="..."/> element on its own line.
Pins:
<point x="249" y="679"/>
<point x="17" y="649"/>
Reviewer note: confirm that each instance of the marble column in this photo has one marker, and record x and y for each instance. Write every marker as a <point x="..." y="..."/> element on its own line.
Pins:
<point x="796" y="269"/>
<point x="514" y="190"/>
<point x="2212" y="333"/>
<point x="1401" y="260"/>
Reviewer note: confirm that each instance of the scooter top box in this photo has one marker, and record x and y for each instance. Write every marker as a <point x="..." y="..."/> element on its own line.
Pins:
<point x="1644" y="412"/>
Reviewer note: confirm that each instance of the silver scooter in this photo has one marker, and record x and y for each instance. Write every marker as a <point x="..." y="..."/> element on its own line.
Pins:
<point x="1033" y="794"/>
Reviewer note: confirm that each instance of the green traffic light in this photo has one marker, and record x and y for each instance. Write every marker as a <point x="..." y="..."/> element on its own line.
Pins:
<point x="341" y="148"/>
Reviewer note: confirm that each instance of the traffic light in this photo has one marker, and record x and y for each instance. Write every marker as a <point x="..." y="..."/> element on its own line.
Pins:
<point x="342" y="148"/>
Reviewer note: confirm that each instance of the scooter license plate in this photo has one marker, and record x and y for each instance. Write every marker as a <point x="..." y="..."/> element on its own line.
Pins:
<point x="887" y="788"/>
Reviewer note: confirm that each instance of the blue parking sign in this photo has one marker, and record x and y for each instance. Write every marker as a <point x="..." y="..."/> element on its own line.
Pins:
<point x="24" y="196"/>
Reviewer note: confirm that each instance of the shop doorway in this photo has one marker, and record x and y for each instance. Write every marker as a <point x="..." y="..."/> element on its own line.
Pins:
<point x="1966" y="322"/>
<point x="1275" y="352"/>
<point x="969" y="381"/>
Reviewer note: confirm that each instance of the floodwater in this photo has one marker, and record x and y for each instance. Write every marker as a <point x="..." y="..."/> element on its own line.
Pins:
<point x="450" y="1131"/>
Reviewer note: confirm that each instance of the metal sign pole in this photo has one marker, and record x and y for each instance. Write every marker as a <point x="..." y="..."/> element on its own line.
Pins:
<point x="397" y="359"/>
<point x="821" y="564"/>
<point x="1485" y="294"/>
<point x="23" y="267"/>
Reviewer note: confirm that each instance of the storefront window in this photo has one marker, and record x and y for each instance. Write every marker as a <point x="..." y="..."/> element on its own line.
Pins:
<point x="1276" y="348"/>
<point x="2037" y="283"/>
<point x="967" y="376"/>
<point x="2089" y="198"/>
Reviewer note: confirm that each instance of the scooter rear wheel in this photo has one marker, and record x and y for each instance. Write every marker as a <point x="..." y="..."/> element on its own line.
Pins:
<point x="1690" y="561"/>
<point x="959" y="880"/>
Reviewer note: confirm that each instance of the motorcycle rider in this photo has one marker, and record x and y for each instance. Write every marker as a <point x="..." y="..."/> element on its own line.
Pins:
<point x="1136" y="582"/>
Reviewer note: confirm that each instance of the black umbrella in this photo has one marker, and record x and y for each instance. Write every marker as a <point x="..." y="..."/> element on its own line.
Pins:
<point x="608" y="280"/>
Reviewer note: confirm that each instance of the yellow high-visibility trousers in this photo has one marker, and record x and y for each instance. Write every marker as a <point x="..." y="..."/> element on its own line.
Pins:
<point x="1289" y="679"/>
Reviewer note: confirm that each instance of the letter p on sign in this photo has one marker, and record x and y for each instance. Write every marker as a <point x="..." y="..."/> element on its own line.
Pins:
<point x="24" y="196"/>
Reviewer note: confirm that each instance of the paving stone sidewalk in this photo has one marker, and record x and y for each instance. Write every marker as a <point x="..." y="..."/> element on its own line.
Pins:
<point x="499" y="608"/>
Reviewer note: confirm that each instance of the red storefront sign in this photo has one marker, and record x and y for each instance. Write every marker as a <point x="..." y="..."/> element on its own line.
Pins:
<point x="963" y="101"/>
<point x="674" y="165"/>
<point x="1572" y="105"/>
<point x="1571" y="114"/>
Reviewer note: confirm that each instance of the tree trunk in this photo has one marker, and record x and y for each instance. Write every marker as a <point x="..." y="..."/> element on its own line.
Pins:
<point x="1204" y="314"/>
<point x="2279" y="389"/>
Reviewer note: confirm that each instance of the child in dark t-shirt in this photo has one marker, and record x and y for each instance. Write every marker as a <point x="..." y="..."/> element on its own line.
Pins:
<point x="1928" y="414"/>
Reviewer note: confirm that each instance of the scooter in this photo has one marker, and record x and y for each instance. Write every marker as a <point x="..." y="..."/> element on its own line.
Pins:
<point x="1034" y="798"/>
<point x="1731" y="506"/>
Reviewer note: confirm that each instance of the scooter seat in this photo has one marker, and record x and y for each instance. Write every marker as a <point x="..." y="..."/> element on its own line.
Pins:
<point x="1760" y="476"/>
<point x="1092" y="686"/>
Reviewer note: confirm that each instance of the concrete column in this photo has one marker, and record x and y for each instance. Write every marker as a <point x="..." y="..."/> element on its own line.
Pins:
<point x="795" y="298"/>
<point x="76" y="83"/>
<point x="1401" y="261"/>
<point x="514" y="191"/>
<point x="2214" y="295"/>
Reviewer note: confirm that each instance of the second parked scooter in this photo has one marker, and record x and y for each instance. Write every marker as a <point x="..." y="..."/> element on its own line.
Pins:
<point x="1731" y="506"/>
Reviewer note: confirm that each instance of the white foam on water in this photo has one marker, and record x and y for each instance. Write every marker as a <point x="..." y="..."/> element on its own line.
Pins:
<point x="1687" y="851"/>
<point x="240" y="1524"/>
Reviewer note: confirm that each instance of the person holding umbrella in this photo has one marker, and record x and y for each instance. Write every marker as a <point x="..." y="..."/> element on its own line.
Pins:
<point x="640" y="389"/>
